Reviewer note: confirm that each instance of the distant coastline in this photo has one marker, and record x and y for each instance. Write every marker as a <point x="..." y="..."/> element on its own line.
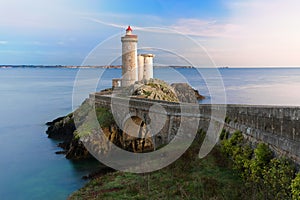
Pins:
<point x="78" y="67"/>
<point x="119" y="67"/>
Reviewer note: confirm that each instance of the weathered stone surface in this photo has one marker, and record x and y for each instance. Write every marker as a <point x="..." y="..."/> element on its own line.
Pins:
<point x="153" y="89"/>
<point x="143" y="143"/>
<point x="185" y="93"/>
<point x="277" y="126"/>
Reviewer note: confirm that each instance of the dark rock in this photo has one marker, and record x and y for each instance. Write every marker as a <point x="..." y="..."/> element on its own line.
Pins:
<point x="186" y="93"/>
<point x="198" y="95"/>
<point x="60" y="152"/>
<point x="64" y="145"/>
<point x="61" y="128"/>
<point x="54" y="121"/>
<point x="77" y="151"/>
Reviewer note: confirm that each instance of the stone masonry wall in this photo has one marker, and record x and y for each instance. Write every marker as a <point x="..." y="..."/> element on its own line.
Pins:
<point x="277" y="126"/>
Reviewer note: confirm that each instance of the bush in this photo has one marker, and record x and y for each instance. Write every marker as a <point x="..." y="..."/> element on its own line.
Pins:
<point x="232" y="146"/>
<point x="239" y="152"/>
<point x="266" y="177"/>
<point x="278" y="178"/>
<point x="224" y="135"/>
<point x="263" y="154"/>
<point x="227" y="120"/>
<point x="237" y="138"/>
<point x="242" y="161"/>
<point x="295" y="186"/>
<point x="262" y="157"/>
<point x="104" y="117"/>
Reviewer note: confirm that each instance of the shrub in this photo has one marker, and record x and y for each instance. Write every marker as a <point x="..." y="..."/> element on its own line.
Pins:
<point x="239" y="151"/>
<point x="242" y="161"/>
<point x="237" y="138"/>
<point x="105" y="117"/>
<point x="262" y="157"/>
<point x="263" y="154"/>
<point x="295" y="186"/>
<point x="278" y="178"/>
<point x="224" y="134"/>
<point x="232" y="145"/>
<point x="227" y="120"/>
<point x="266" y="177"/>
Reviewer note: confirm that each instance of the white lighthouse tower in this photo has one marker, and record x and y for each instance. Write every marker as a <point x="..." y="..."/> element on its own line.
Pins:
<point x="129" y="58"/>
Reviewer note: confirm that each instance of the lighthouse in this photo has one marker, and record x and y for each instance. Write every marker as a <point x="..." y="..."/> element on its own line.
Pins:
<point x="129" y="58"/>
<point x="134" y="67"/>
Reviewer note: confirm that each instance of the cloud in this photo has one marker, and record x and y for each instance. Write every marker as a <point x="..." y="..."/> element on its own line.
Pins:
<point x="105" y="23"/>
<point x="102" y="19"/>
<point x="204" y="28"/>
<point x="256" y="33"/>
<point x="187" y="26"/>
<point x="253" y="33"/>
<point x="266" y="34"/>
<point x="29" y="15"/>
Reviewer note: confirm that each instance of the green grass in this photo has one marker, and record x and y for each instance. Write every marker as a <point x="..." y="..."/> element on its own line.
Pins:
<point x="187" y="178"/>
<point x="104" y="119"/>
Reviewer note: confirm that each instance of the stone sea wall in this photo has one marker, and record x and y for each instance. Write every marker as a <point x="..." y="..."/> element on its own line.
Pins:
<point x="278" y="126"/>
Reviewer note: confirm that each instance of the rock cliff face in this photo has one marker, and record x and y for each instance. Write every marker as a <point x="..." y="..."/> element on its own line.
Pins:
<point x="62" y="129"/>
<point x="73" y="138"/>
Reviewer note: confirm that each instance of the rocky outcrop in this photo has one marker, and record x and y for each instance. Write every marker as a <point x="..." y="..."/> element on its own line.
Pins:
<point x="77" y="151"/>
<point x="186" y="93"/>
<point x="153" y="89"/>
<point x="61" y="128"/>
<point x="159" y="90"/>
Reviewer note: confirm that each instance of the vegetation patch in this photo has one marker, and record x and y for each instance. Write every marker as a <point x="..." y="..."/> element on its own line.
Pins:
<point x="187" y="178"/>
<point x="267" y="177"/>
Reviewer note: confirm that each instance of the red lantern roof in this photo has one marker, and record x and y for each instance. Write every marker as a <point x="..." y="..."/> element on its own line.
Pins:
<point x="129" y="29"/>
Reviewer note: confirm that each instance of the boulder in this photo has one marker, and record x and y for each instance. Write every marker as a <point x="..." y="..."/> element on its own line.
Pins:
<point x="186" y="93"/>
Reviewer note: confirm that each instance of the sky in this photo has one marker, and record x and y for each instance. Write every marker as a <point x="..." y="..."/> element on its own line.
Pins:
<point x="231" y="32"/>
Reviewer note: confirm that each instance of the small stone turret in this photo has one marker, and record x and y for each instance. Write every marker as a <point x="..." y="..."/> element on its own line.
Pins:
<point x="148" y="66"/>
<point x="141" y="63"/>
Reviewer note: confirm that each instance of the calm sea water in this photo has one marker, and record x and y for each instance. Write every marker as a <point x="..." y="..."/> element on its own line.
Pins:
<point x="31" y="96"/>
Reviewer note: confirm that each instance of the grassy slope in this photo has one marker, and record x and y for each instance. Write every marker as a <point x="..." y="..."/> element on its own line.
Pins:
<point x="187" y="178"/>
